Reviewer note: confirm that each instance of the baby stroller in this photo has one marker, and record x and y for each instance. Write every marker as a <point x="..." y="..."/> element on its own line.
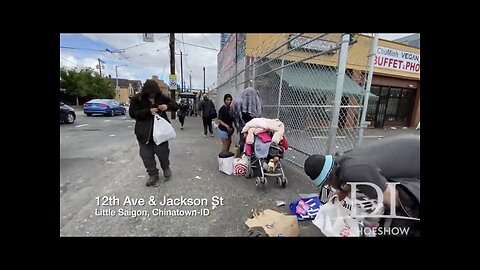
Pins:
<point x="264" y="156"/>
<point x="267" y="160"/>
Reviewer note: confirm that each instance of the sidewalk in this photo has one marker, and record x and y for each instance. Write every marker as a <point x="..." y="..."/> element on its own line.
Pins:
<point x="194" y="165"/>
<point x="375" y="133"/>
<point x="240" y="193"/>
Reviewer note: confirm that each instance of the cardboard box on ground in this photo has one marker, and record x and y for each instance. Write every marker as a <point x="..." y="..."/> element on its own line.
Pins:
<point x="274" y="223"/>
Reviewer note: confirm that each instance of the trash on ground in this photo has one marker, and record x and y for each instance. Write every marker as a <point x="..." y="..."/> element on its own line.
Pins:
<point x="274" y="223"/>
<point x="308" y="195"/>
<point x="306" y="208"/>
<point x="280" y="203"/>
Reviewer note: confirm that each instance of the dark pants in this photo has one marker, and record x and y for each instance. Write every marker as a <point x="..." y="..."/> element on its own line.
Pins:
<point x="148" y="152"/>
<point x="181" y="118"/>
<point x="207" y="122"/>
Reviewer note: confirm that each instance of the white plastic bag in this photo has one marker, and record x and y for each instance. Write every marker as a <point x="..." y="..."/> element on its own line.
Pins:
<point x="334" y="220"/>
<point x="162" y="130"/>
<point x="225" y="165"/>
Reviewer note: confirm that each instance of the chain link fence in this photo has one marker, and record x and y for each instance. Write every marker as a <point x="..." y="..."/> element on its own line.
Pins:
<point x="299" y="91"/>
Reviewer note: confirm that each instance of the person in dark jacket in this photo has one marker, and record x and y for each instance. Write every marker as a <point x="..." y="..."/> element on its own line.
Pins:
<point x="390" y="158"/>
<point x="207" y="108"/>
<point x="182" y="112"/>
<point x="143" y="107"/>
<point x="225" y="123"/>
<point x="394" y="159"/>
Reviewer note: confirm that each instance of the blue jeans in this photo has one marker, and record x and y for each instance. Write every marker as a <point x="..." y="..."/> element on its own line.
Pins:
<point x="223" y="134"/>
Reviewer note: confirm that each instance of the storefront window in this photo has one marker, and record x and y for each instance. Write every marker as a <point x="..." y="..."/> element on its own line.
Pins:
<point x="405" y="105"/>
<point x="392" y="108"/>
<point x="372" y="103"/>
<point x="392" y="105"/>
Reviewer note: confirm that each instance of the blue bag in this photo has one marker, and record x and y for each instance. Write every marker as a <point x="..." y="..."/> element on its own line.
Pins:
<point x="305" y="208"/>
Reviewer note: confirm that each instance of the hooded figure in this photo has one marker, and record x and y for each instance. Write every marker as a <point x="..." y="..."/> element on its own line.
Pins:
<point x="143" y="107"/>
<point x="182" y="112"/>
<point x="246" y="105"/>
<point x="209" y="112"/>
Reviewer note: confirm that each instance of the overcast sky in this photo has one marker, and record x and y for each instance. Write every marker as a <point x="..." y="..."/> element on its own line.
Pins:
<point x="147" y="59"/>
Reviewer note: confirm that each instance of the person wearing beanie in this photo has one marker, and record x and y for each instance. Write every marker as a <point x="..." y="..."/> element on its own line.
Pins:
<point x="182" y="112"/>
<point x="394" y="157"/>
<point x="143" y="107"/>
<point x="209" y="113"/>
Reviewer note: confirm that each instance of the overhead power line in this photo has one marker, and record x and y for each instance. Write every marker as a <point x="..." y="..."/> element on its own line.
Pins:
<point x="70" y="62"/>
<point x="207" y="40"/>
<point x="197" y="45"/>
<point x="85" y="49"/>
<point x="133" y="46"/>
<point x="130" y="47"/>
<point x="143" y="54"/>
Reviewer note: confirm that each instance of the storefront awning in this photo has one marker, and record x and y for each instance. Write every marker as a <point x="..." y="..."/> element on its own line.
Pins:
<point x="318" y="79"/>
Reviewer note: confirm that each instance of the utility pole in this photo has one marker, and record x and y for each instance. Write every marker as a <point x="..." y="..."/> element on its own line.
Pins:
<point x="236" y="62"/>
<point x="190" y="82"/>
<point x="116" y="74"/>
<point x="204" y="80"/>
<point x="172" y="67"/>
<point x="181" y="71"/>
<point x="100" y="66"/>
<point x="373" y="50"/>
<point x="342" y="62"/>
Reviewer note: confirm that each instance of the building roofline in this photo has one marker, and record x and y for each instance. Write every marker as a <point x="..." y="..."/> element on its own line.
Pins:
<point x="392" y="41"/>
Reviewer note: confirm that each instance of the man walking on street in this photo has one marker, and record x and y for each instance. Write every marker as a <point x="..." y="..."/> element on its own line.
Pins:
<point x="182" y="112"/>
<point x="143" y="107"/>
<point x="207" y="108"/>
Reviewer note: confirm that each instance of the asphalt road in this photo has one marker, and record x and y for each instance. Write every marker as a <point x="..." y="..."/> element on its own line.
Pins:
<point x="99" y="159"/>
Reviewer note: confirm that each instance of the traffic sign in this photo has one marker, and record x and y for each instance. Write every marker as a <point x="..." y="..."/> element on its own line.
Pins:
<point x="173" y="81"/>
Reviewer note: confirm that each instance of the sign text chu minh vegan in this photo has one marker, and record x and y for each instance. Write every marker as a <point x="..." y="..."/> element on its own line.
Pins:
<point x="398" y="60"/>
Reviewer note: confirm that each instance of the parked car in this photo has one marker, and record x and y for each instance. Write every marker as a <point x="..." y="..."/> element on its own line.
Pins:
<point x="103" y="106"/>
<point x="124" y="105"/>
<point x="67" y="114"/>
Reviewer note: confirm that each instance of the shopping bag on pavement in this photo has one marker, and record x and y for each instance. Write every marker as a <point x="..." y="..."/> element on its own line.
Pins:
<point x="274" y="223"/>
<point x="225" y="164"/>
<point x="162" y="130"/>
<point x="305" y="208"/>
<point x="334" y="220"/>
<point x="240" y="166"/>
